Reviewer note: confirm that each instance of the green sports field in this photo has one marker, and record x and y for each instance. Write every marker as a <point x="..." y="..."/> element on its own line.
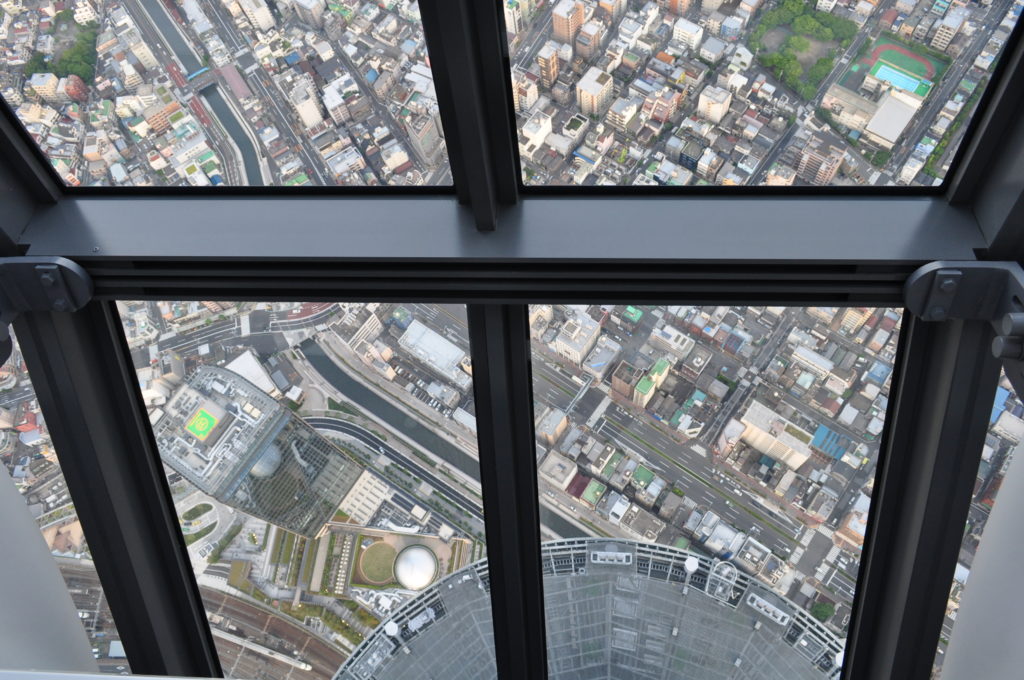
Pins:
<point x="907" y="67"/>
<point x="201" y="424"/>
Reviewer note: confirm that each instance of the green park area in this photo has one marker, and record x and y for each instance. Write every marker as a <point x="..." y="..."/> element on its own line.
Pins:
<point x="202" y="533"/>
<point x="799" y="44"/>
<point x="377" y="564"/>
<point x="78" y="58"/>
<point x="196" y="511"/>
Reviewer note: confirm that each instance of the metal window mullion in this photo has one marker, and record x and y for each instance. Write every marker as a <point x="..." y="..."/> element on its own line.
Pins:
<point x="25" y="160"/>
<point x="503" y="392"/>
<point x="997" y="111"/>
<point x="88" y="393"/>
<point x="937" y="427"/>
<point x="468" y="52"/>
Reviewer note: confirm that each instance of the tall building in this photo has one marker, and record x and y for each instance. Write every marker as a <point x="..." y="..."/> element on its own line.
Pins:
<point x="158" y="115"/>
<point x="85" y="12"/>
<point x="514" y="19"/>
<point x="44" y="85"/>
<point x="577" y="337"/>
<point x="662" y="105"/>
<point x="424" y="132"/>
<point x="547" y="60"/>
<point x="235" y="443"/>
<point x="589" y="39"/>
<point x="687" y="33"/>
<point x="258" y="14"/>
<point x="774" y="436"/>
<point x="949" y="26"/>
<point x="74" y="88"/>
<point x="622" y="111"/>
<point x="677" y="7"/>
<point x="309" y="12"/>
<point x="142" y="52"/>
<point x="524" y="90"/>
<point x="614" y="8"/>
<point x="566" y="20"/>
<point x="306" y="104"/>
<point x="594" y="91"/>
<point x="819" y="161"/>
<point x="713" y="103"/>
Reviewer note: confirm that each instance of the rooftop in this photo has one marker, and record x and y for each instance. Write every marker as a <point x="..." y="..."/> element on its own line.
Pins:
<point x="616" y="610"/>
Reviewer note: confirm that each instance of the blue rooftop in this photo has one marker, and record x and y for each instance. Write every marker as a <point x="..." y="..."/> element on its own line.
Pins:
<point x="831" y="443"/>
<point x="999" y="404"/>
<point x="879" y="371"/>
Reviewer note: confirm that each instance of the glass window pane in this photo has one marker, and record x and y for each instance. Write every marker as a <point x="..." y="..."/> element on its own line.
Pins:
<point x="33" y="467"/>
<point x="1002" y="445"/>
<point x="209" y="93"/>
<point x="323" y="462"/>
<point x="681" y="93"/>
<point x="705" y="483"/>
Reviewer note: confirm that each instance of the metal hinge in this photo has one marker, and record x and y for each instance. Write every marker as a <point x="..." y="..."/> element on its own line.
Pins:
<point x="976" y="291"/>
<point x="38" y="284"/>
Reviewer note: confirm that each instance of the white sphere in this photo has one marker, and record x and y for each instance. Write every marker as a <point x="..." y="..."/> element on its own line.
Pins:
<point x="267" y="463"/>
<point x="415" y="567"/>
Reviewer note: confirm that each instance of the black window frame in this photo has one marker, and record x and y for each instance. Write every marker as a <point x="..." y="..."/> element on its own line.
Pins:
<point x="497" y="246"/>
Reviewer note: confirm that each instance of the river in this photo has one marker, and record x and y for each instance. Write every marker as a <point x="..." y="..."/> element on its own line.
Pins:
<point x="413" y="429"/>
<point x="230" y="122"/>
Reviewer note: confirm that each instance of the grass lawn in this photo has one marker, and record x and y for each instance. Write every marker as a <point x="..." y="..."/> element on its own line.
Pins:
<point x="196" y="511"/>
<point x="202" y="533"/>
<point x="377" y="563"/>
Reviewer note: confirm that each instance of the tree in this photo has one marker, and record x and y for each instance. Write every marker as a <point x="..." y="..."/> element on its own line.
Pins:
<point x="823" y="611"/>
<point x="798" y="43"/>
<point x="65" y="16"/>
<point x="807" y="25"/>
<point x="880" y="158"/>
<point x="36" y="64"/>
<point x="819" y="71"/>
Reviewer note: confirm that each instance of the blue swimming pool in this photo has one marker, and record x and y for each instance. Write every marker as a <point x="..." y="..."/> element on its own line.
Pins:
<point x="897" y="78"/>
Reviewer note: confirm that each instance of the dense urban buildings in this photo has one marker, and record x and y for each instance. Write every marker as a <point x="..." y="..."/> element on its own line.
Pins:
<point x="745" y="92"/>
<point x="199" y="93"/>
<point x="711" y="467"/>
<point x="634" y="93"/>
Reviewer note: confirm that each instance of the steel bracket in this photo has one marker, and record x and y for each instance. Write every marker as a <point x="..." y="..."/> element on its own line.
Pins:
<point x="975" y="291"/>
<point x="38" y="284"/>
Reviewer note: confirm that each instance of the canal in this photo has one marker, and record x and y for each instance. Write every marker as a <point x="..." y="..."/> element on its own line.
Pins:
<point x="413" y="429"/>
<point x="230" y="122"/>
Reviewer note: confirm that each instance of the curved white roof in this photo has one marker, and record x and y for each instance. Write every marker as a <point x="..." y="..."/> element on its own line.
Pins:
<point x="415" y="567"/>
<point x="267" y="463"/>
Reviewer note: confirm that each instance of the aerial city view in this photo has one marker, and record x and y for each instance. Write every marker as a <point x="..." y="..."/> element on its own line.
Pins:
<point x="704" y="473"/>
<point x="244" y="92"/>
<point x="749" y="92"/>
<point x="606" y="92"/>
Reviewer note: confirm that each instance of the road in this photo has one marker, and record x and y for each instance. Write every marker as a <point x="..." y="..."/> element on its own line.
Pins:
<point x="150" y="30"/>
<point x="949" y="84"/>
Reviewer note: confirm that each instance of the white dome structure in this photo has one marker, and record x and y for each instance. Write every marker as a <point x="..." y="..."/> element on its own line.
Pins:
<point x="415" y="567"/>
<point x="267" y="463"/>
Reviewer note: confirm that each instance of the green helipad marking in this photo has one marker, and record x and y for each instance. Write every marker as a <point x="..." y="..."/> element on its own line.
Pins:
<point x="202" y="424"/>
